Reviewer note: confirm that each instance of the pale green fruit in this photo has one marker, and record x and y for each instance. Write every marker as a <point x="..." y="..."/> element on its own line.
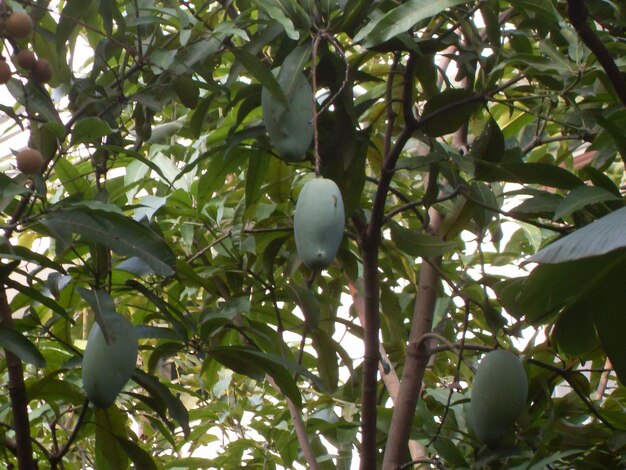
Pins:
<point x="108" y="367"/>
<point x="319" y="222"/>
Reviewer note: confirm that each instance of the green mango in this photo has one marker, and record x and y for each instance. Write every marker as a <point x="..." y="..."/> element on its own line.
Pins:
<point x="498" y="395"/>
<point x="107" y="367"/>
<point x="319" y="223"/>
<point x="290" y="127"/>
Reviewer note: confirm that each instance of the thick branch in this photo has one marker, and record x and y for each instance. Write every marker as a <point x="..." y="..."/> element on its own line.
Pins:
<point x="371" y="327"/>
<point x="17" y="394"/>
<point x="577" y="12"/>
<point x="390" y="377"/>
<point x="369" y="241"/>
<point x="416" y="360"/>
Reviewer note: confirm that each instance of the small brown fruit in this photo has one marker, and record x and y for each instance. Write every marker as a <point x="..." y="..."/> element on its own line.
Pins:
<point x="18" y="25"/>
<point x="5" y="72"/>
<point x="29" y="161"/>
<point x="42" y="72"/>
<point x="26" y="59"/>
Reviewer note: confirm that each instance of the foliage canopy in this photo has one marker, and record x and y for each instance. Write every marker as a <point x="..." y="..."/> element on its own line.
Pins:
<point x="468" y="140"/>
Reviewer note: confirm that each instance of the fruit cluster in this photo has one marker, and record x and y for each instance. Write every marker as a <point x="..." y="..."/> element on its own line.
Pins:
<point x="18" y="26"/>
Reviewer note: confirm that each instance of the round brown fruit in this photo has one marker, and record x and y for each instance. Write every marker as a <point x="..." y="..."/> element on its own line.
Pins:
<point x="42" y="72"/>
<point x="29" y="161"/>
<point x="18" y="25"/>
<point x="26" y="59"/>
<point x="5" y="72"/>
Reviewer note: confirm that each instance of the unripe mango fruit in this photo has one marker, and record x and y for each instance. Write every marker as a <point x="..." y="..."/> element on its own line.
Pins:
<point x="498" y="395"/>
<point x="290" y="127"/>
<point x="107" y="367"/>
<point x="319" y="223"/>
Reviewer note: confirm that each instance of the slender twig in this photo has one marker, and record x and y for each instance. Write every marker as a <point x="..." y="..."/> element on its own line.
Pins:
<point x="457" y="375"/>
<point x="39" y="445"/>
<point x="538" y="141"/>
<point x="559" y="229"/>
<point x="604" y="380"/>
<point x="391" y="115"/>
<point x="56" y="458"/>
<point x="413" y="204"/>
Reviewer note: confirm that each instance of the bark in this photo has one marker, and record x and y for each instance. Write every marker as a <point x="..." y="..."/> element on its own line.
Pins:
<point x="17" y="394"/>
<point x="371" y="327"/>
<point x="390" y="378"/>
<point x="416" y="360"/>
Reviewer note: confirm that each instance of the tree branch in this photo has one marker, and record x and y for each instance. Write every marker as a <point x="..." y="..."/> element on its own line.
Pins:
<point x="299" y="426"/>
<point x="17" y="393"/>
<point x="577" y="12"/>
<point x="416" y="359"/>
<point x="369" y="242"/>
<point x="390" y="377"/>
<point x="57" y="457"/>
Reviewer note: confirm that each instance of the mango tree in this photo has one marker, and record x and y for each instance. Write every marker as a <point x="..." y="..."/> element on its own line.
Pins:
<point x="461" y="169"/>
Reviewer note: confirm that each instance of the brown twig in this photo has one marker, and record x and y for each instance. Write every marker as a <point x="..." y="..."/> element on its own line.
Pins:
<point x="58" y="457"/>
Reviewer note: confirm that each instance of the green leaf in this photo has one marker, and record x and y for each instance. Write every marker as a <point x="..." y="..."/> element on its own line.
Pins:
<point x="102" y="305"/>
<point x="89" y="130"/>
<point x="617" y="133"/>
<point x="119" y="233"/>
<point x="258" y="167"/>
<point x="34" y="99"/>
<point x="306" y="300"/>
<point x="327" y="363"/>
<point x="489" y="146"/>
<point x="446" y="112"/>
<point x="416" y="243"/>
<point x="71" y="15"/>
<point x="74" y="183"/>
<point x="187" y="90"/>
<point x="34" y="295"/>
<point x="274" y="11"/>
<point x="256" y="364"/>
<point x="544" y="8"/>
<point x="574" y="332"/>
<point x="292" y="67"/>
<point x="551" y="286"/>
<point x="139" y="457"/>
<point x="262" y="73"/>
<point x="50" y="389"/>
<point x="110" y="426"/>
<point x="400" y="19"/>
<point x="529" y="173"/>
<point x="21" y="346"/>
<point x="601" y="236"/>
<point x="609" y="318"/>
<point x="542" y="204"/>
<point x="581" y="197"/>
<point x="164" y="396"/>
